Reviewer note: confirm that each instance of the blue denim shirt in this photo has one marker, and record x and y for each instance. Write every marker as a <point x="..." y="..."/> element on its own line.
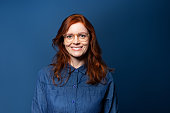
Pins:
<point x="75" y="96"/>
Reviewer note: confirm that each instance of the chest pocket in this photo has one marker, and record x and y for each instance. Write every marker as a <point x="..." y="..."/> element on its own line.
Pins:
<point x="96" y="91"/>
<point x="57" y="98"/>
<point x="56" y="90"/>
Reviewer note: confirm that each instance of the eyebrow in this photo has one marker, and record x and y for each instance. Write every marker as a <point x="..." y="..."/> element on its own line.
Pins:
<point x="77" y="33"/>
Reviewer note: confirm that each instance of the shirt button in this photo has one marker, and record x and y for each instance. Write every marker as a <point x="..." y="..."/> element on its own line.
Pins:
<point x="73" y="101"/>
<point x="76" y="70"/>
<point x="74" y="86"/>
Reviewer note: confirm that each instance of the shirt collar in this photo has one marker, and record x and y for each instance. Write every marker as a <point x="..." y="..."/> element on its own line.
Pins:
<point x="81" y="69"/>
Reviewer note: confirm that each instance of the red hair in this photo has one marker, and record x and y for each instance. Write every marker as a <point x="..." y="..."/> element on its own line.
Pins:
<point x="96" y="68"/>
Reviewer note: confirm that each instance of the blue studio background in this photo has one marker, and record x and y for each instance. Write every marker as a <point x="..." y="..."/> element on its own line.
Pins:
<point x="133" y="34"/>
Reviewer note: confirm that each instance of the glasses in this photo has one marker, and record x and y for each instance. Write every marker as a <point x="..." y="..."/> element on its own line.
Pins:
<point x="81" y="37"/>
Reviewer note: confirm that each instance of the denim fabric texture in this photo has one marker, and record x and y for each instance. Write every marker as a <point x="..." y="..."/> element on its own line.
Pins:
<point x="76" y="96"/>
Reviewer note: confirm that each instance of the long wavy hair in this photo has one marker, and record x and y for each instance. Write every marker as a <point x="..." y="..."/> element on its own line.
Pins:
<point x="96" y="68"/>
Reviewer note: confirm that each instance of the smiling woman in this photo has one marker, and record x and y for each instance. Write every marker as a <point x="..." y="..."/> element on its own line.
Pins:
<point x="78" y="80"/>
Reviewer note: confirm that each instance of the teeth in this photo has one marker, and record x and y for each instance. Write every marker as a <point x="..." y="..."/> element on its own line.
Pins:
<point x="76" y="48"/>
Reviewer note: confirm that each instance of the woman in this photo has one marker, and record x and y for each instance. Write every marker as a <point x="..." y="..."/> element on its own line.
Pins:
<point x="77" y="81"/>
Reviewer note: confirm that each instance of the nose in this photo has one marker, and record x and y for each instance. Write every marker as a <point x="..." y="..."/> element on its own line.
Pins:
<point x="76" y="40"/>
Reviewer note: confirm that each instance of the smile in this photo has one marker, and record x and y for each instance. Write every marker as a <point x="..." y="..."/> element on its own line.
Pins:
<point x="76" y="48"/>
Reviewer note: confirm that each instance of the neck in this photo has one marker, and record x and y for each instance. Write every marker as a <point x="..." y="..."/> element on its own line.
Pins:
<point x="76" y="62"/>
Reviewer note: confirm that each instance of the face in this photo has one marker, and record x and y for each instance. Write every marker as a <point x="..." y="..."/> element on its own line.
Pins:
<point x="75" y="42"/>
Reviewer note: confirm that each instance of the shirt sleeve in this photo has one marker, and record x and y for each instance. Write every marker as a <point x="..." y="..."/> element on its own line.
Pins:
<point x="39" y="103"/>
<point x="111" y="103"/>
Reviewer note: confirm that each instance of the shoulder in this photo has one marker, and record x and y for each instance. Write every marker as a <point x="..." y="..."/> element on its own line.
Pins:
<point x="46" y="69"/>
<point x="110" y="76"/>
<point x="45" y="73"/>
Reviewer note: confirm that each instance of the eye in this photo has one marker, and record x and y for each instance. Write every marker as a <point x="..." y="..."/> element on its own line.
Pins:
<point x="82" y="35"/>
<point x="69" y="36"/>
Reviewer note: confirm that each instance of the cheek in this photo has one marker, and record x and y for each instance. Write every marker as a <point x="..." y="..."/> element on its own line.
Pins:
<point x="86" y="47"/>
<point x="65" y="43"/>
<point x="88" y="44"/>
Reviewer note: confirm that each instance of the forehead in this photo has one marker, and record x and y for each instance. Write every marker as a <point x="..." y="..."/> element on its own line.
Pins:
<point x="77" y="28"/>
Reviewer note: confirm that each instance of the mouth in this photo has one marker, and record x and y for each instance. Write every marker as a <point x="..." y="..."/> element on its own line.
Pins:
<point x="76" y="48"/>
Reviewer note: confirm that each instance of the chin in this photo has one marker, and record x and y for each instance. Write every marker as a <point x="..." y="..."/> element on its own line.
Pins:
<point x="76" y="56"/>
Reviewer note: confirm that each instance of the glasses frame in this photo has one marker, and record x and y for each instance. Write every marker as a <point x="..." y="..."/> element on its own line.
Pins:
<point x="70" y="40"/>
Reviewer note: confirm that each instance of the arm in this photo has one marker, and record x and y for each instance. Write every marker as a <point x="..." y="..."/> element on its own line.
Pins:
<point x="111" y="104"/>
<point x="39" y="103"/>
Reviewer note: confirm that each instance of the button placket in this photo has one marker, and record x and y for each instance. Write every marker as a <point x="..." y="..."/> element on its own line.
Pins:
<point x="74" y="86"/>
